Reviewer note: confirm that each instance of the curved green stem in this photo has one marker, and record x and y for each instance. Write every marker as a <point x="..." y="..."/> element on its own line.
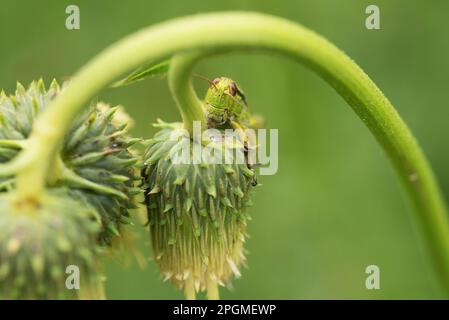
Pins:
<point x="179" y="80"/>
<point x="220" y="32"/>
<point x="35" y="161"/>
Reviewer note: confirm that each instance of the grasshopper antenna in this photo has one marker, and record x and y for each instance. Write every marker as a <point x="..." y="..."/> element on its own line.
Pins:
<point x="196" y="75"/>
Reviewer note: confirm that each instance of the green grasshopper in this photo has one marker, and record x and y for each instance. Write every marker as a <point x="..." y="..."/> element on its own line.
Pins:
<point x="225" y="106"/>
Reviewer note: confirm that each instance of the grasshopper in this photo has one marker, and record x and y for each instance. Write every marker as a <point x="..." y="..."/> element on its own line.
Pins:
<point x="225" y="106"/>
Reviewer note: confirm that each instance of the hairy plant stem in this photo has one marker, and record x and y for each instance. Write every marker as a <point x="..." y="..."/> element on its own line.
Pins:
<point x="214" y="33"/>
<point x="38" y="164"/>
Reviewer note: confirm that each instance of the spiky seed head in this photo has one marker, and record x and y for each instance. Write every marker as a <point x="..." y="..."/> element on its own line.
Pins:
<point x="96" y="150"/>
<point x="196" y="212"/>
<point x="39" y="241"/>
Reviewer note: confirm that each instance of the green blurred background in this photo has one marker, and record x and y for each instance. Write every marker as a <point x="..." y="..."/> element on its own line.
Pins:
<point x="335" y="205"/>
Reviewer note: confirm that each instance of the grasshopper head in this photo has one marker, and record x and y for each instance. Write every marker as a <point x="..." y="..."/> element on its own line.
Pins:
<point x="223" y="99"/>
<point x="223" y="92"/>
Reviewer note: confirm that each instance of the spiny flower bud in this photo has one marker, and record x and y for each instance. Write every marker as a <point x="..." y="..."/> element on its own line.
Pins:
<point x="196" y="212"/>
<point x="96" y="161"/>
<point x="39" y="241"/>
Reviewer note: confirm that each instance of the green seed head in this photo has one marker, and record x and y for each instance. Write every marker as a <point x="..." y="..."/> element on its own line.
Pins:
<point x="95" y="160"/>
<point x="39" y="241"/>
<point x="196" y="212"/>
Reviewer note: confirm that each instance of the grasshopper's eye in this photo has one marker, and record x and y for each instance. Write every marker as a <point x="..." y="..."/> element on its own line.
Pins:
<point x="215" y="81"/>
<point x="232" y="89"/>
